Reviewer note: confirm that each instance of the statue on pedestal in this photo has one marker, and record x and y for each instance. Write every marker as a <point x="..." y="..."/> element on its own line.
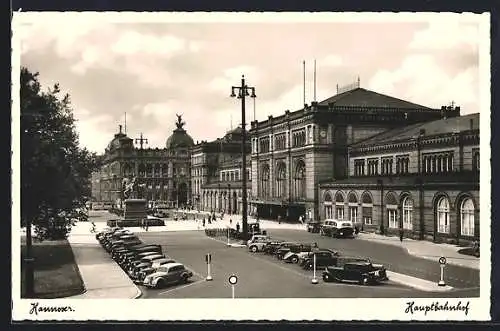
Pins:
<point x="132" y="189"/>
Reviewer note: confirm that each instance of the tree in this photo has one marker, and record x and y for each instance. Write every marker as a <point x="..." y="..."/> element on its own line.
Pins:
<point x="55" y="171"/>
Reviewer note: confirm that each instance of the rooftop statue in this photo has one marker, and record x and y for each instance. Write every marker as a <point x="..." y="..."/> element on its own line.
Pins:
<point x="179" y="122"/>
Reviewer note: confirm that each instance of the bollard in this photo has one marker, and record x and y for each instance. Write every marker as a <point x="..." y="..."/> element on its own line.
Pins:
<point x="314" y="280"/>
<point x="208" y="259"/>
<point x="442" y="264"/>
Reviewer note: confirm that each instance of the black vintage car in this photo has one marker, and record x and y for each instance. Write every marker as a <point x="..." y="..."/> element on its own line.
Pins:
<point x="364" y="273"/>
<point x="324" y="258"/>
<point x="313" y="226"/>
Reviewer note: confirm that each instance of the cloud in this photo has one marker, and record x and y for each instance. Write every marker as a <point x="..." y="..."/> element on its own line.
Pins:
<point x="445" y="35"/>
<point x="331" y="61"/>
<point x="422" y="80"/>
<point x="153" y="71"/>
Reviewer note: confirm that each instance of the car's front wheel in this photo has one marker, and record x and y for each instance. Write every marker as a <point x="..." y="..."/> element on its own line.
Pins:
<point x="254" y="249"/>
<point x="364" y="280"/>
<point x="184" y="279"/>
<point x="295" y="259"/>
<point x="326" y="278"/>
<point x="160" y="283"/>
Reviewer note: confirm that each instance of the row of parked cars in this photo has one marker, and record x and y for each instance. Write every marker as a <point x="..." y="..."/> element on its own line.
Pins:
<point x="336" y="267"/>
<point x="145" y="264"/>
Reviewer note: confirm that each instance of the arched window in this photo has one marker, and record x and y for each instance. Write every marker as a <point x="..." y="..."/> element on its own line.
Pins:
<point x="353" y="207"/>
<point x="328" y="206"/>
<point x="300" y="180"/>
<point x="443" y="215"/>
<point x="367" y="208"/>
<point x="339" y="206"/>
<point x="265" y="181"/>
<point x="280" y="180"/>
<point x="467" y="217"/>
<point x="408" y="213"/>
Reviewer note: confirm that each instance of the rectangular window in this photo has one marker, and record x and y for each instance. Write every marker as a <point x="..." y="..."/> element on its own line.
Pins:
<point x="328" y="212"/>
<point x="339" y="211"/>
<point x="391" y="214"/>
<point x="475" y="159"/>
<point x="359" y="167"/>
<point x="353" y="214"/>
<point x="280" y="141"/>
<point x="264" y="145"/>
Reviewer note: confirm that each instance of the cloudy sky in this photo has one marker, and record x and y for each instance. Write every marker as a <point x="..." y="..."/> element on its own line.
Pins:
<point x="152" y="71"/>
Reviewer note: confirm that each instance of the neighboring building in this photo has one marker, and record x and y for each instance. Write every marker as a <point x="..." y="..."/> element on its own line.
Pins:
<point x="293" y="153"/>
<point x="165" y="173"/>
<point x="423" y="178"/>
<point x="216" y="173"/>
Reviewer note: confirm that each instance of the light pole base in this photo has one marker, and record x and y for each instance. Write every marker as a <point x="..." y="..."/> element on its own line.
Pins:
<point x="441" y="283"/>
<point x="314" y="281"/>
<point x="209" y="278"/>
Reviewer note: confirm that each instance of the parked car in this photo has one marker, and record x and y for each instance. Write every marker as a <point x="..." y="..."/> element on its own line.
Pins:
<point x="324" y="258"/>
<point x="254" y="228"/>
<point x="272" y="246"/>
<point x="364" y="273"/>
<point x="294" y="248"/>
<point x="296" y="252"/>
<point x="257" y="242"/>
<point x="146" y="269"/>
<point x="168" y="274"/>
<point x="160" y="262"/>
<point x="283" y="248"/>
<point x="313" y="226"/>
<point x="337" y="228"/>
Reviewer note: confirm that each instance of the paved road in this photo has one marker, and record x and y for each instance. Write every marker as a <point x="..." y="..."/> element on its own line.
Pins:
<point x="394" y="258"/>
<point x="260" y="276"/>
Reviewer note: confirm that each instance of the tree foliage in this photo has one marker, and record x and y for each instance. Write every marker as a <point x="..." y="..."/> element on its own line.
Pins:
<point x="55" y="170"/>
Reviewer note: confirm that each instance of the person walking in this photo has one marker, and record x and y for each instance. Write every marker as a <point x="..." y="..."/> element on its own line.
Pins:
<point x="401" y="234"/>
<point x="279" y="219"/>
<point x="146" y="225"/>
<point x="203" y="222"/>
<point x="238" y="227"/>
<point x="230" y="221"/>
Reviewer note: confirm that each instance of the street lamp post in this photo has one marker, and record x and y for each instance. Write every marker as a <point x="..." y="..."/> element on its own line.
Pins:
<point x="243" y="91"/>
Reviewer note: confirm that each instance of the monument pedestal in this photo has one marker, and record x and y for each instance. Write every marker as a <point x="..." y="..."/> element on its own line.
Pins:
<point x="134" y="209"/>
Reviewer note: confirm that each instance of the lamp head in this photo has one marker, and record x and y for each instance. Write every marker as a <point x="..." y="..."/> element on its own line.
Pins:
<point x="253" y="93"/>
<point x="232" y="93"/>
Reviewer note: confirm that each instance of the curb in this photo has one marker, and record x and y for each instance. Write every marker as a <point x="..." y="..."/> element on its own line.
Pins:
<point x="417" y="283"/>
<point x="139" y="292"/>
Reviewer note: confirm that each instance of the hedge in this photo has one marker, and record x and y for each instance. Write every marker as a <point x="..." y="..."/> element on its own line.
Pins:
<point x="134" y="222"/>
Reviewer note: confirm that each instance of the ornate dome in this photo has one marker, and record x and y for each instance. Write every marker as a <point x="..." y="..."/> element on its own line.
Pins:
<point x="121" y="140"/>
<point x="179" y="138"/>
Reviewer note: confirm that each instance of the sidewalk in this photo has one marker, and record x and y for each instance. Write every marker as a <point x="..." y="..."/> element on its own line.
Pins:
<point x="426" y="249"/>
<point x="102" y="277"/>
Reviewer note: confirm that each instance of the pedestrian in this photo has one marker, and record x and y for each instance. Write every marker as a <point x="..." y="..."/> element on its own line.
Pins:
<point x="147" y="224"/>
<point x="230" y="221"/>
<point x="203" y="221"/>
<point x="238" y="227"/>
<point x="401" y="234"/>
<point x="279" y="219"/>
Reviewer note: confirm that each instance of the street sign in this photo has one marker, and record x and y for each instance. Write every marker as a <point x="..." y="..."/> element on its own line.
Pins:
<point x="208" y="258"/>
<point x="233" y="279"/>
<point x="442" y="260"/>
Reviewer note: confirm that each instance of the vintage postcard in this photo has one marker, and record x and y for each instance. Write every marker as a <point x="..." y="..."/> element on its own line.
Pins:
<point x="250" y="166"/>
